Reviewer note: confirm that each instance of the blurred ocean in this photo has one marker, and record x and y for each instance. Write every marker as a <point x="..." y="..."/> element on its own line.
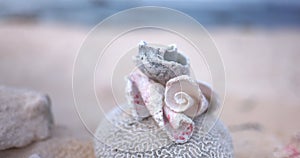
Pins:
<point x="265" y="13"/>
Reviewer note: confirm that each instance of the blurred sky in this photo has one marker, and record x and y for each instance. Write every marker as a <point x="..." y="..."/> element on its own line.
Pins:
<point x="262" y="13"/>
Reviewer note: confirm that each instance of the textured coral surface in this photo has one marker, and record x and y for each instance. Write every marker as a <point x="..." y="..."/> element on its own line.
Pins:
<point x="125" y="137"/>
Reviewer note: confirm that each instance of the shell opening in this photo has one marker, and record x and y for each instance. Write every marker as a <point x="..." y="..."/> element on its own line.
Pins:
<point x="176" y="57"/>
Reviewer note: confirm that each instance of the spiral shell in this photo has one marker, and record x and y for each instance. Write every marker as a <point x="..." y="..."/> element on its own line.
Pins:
<point x="184" y="95"/>
<point x="161" y="64"/>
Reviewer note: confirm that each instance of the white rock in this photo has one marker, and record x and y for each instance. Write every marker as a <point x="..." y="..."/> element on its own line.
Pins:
<point x="25" y="116"/>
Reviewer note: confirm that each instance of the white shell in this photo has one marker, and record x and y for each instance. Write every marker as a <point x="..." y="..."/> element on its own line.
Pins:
<point x="183" y="94"/>
<point x="211" y="96"/>
<point x="134" y="99"/>
<point x="152" y="95"/>
<point x="179" y="127"/>
<point x="161" y="64"/>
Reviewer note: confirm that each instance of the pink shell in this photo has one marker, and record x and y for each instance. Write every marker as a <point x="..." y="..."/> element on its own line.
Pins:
<point x="179" y="127"/>
<point x="151" y="94"/>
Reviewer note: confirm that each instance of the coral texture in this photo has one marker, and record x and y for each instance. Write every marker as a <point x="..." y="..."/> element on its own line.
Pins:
<point x="120" y="135"/>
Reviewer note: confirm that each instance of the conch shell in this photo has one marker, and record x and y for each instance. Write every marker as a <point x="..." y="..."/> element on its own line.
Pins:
<point x="134" y="99"/>
<point x="183" y="101"/>
<point x="151" y="94"/>
<point x="161" y="64"/>
<point x="178" y="126"/>
<point x="183" y="95"/>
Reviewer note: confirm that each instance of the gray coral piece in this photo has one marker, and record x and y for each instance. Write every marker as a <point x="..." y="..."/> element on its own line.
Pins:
<point x="120" y="135"/>
<point x="161" y="64"/>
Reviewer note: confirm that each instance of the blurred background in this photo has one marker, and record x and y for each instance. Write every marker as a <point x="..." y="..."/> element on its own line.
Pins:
<point x="258" y="41"/>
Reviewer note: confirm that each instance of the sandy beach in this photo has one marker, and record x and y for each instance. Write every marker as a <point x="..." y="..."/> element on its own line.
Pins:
<point x="262" y="101"/>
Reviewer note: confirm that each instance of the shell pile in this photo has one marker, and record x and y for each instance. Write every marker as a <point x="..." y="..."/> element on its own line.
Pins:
<point x="163" y="89"/>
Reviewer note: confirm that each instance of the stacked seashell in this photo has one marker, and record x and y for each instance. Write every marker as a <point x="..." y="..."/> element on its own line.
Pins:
<point x="162" y="90"/>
